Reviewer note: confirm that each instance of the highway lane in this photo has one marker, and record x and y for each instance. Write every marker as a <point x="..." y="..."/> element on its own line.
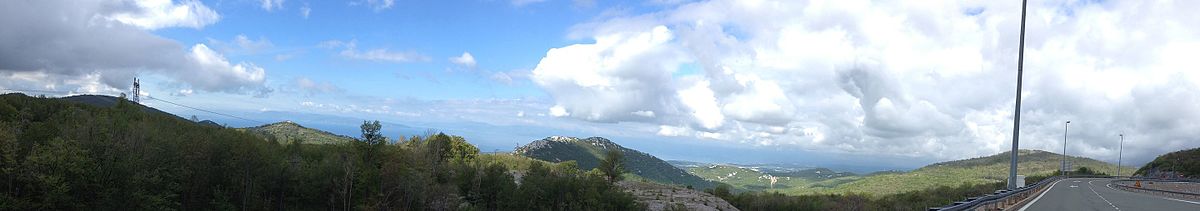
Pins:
<point x="1096" y="194"/>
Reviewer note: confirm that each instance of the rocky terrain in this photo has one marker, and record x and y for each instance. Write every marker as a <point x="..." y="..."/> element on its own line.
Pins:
<point x="664" y="197"/>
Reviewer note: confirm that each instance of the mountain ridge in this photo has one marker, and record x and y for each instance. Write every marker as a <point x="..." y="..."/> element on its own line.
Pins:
<point x="587" y="153"/>
<point x="288" y="131"/>
<point x="973" y="171"/>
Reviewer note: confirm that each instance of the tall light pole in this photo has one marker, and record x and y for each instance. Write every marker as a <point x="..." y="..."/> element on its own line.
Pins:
<point x="1012" y="167"/>
<point x="1064" y="155"/>
<point x="1120" y="153"/>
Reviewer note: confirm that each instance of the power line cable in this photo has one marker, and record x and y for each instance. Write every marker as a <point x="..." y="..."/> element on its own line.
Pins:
<point x="156" y="98"/>
<point x="150" y="97"/>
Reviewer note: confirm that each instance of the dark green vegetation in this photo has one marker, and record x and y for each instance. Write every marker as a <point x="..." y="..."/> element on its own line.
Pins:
<point x="1185" y="162"/>
<point x="62" y="155"/>
<point x="287" y="132"/>
<point x="613" y="165"/>
<point x="588" y="152"/>
<point x="912" y="200"/>
<point x="109" y="101"/>
<point x="974" y="171"/>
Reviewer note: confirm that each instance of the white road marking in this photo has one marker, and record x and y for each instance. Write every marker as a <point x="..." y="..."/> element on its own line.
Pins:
<point x="1074" y="186"/>
<point x="1180" y="200"/>
<point x="1040" y="196"/>
<point x="1101" y="197"/>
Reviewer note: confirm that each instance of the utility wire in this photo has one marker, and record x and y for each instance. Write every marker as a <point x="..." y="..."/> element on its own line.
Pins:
<point x="198" y="109"/>
<point x="148" y="97"/>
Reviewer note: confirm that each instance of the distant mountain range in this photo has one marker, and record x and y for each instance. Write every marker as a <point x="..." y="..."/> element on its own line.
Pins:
<point x="587" y="153"/>
<point x="798" y="181"/>
<point x="287" y="131"/>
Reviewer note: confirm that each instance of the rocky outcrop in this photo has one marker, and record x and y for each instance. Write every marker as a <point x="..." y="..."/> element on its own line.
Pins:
<point x="658" y="197"/>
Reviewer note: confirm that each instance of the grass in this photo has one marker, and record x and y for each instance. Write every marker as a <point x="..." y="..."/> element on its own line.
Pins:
<point x="968" y="172"/>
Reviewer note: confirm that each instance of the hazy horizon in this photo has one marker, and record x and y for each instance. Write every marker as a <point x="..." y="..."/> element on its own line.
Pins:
<point x="853" y="85"/>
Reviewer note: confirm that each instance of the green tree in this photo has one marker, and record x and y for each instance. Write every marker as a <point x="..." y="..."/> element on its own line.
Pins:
<point x="613" y="165"/>
<point x="370" y="133"/>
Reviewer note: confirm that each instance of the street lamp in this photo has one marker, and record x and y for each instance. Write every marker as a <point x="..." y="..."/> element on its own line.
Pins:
<point x="1120" y="153"/>
<point x="1012" y="167"/>
<point x="1064" y="159"/>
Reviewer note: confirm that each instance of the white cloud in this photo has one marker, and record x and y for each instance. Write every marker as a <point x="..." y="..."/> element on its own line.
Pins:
<point x="305" y="11"/>
<point x="465" y="60"/>
<point x="699" y="99"/>
<point x="183" y="92"/>
<point x="386" y="55"/>
<point x="894" y="78"/>
<point x="156" y="14"/>
<point x="611" y="79"/>
<point x="666" y="130"/>
<point x="377" y="5"/>
<point x="109" y="43"/>
<point x="270" y="5"/>
<point x="350" y="50"/>
<point x="310" y="87"/>
<point x="215" y="73"/>
<point x="558" y="111"/>
<point x="242" y="45"/>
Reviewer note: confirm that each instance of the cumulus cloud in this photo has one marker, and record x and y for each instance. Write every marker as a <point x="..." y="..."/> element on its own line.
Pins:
<point x="218" y="73"/>
<point x="609" y="80"/>
<point x="156" y="14"/>
<point x="900" y="78"/>
<point x="466" y="60"/>
<point x="53" y="43"/>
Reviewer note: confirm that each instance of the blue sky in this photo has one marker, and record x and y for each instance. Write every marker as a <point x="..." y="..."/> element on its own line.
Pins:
<point x="506" y="38"/>
<point x="855" y="84"/>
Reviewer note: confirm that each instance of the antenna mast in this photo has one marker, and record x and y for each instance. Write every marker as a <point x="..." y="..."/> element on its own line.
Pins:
<point x="137" y="90"/>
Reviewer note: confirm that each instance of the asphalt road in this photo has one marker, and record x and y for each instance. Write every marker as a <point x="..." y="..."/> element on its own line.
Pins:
<point x="1096" y="194"/>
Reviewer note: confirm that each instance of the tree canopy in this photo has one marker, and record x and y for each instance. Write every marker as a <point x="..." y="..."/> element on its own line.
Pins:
<point x="59" y="155"/>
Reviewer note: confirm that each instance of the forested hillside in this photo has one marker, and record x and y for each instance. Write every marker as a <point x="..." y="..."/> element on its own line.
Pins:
<point x="933" y="185"/>
<point x="57" y="154"/>
<point x="973" y="171"/>
<point x="1182" y="163"/>
<point x="588" y="152"/>
<point x="287" y="132"/>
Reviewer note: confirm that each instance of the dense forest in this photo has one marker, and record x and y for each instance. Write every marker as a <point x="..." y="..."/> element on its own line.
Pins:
<point x="61" y="155"/>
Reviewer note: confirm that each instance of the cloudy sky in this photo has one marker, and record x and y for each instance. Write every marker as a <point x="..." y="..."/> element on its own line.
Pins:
<point x="860" y="84"/>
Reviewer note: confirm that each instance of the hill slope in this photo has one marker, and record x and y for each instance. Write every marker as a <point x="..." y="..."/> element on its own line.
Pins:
<point x="974" y="171"/>
<point x="61" y="155"/>
<point x="110" y="101"/>
<point x="287" y="131"/>
<point x="588" y="152"/>
<point x="1185" y="163"/>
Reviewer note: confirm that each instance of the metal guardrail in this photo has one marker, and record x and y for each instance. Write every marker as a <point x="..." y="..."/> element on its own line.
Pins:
<point x="1167" y="192"/>
<point x="998" y="196"/>
<point x="1165" y="180"/>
